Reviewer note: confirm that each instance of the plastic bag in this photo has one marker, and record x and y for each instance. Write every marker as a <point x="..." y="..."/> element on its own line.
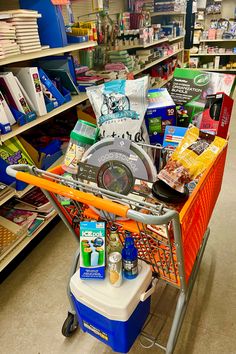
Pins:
<point x="191" y="158"/>
<point x="120" y="106"/>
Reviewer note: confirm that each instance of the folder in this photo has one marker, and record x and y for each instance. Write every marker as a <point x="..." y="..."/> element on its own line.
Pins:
<point x="13" y="93"/>
<point x="29" y="79"/>
<point x="7" y="110"/>
<point x="5" y="126"/>
<point x="50" y="87"/>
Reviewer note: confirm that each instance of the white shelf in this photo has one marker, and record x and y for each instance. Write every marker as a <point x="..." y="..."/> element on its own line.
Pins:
<point x="163" y="40"/>
<point x="136" y="72"/>
<point x="17" y="130"/>
<point x="212" y="55"/>
<point x="47" y="52"/>
<point x="223" y="70"/>
<point x="176" y="39"/>
<point x="218" y="40"/>
<point x="20" y="246"/>
<point x="169" y="13"/>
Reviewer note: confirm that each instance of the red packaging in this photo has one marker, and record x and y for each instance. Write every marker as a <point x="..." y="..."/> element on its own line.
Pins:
<point x="216" y="115"/>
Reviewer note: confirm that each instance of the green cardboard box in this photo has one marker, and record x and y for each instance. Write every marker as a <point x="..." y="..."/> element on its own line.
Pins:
<point x="190" y="88"/>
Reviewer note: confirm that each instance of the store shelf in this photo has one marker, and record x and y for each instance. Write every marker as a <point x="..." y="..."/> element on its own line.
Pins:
<point x="47" y="52"/>
<point x="17" y="130"/>
<point x="6" y="198"/>
<point x="218" y="40"/>
<point x="163" y="83"/>
<point x="170" y="13"/>
<point x="176" y="39"/>
<point x="212" y="55"/>
<point x="224" y="70"/>
<point x="21" y="245"/>
<point x="136" y="72"/>
<point x="163" y="40"/>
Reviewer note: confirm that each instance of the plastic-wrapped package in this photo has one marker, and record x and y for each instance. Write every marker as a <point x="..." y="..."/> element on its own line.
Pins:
<point x="120" y="107"/>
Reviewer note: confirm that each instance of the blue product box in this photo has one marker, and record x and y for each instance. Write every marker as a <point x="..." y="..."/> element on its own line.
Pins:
<point x="173" y="136"/>
<point x="161" y="112"/>
<point x="92" y="250"/>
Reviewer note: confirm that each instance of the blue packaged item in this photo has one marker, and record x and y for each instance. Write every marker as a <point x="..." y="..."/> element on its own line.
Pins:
<point x="130" y="258"/>
<point x="115" y="316"/>
<point x="92" y="250"/>
<point x="51" y="25"/>
<point x="173" y="136"/>
<point x="161" y="112"/>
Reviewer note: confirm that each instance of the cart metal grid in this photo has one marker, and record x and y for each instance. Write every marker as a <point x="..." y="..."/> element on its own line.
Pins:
<point x="174" y="254"/>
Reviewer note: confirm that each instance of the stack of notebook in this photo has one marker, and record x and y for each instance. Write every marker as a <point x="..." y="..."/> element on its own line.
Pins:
<point x="26" y="27"/>
<point x="8" y="44"/>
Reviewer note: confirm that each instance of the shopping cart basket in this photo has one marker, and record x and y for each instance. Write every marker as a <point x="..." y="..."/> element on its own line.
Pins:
<point x="172" y="242"/>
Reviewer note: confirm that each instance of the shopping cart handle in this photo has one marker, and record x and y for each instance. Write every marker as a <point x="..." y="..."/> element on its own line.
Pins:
<point x="150" y="291"/>
<point x="13" y="169"/>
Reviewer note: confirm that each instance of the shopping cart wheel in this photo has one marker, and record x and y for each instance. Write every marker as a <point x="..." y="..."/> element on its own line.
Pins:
<point x="70" y="325"/>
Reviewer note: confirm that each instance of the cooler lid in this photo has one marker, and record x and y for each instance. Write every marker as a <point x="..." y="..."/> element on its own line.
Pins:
<point x="114" y="303"/>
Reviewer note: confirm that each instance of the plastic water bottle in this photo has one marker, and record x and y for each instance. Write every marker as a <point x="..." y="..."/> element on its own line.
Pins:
<point x="130" y="258"/>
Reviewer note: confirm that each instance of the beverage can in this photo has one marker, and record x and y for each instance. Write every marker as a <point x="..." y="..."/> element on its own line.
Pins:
<point x="115" y="269"/>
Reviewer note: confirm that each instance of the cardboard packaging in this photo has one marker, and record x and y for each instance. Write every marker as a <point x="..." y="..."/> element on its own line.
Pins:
<point x="160" y="113"/>
<point x="191" y="87"/>
<point x="173" y="136"/>
<point x="92" y="250"/>
<point x="216" y="115"/>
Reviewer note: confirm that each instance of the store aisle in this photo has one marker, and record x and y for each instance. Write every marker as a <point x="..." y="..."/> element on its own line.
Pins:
<point x="34" y="303"/>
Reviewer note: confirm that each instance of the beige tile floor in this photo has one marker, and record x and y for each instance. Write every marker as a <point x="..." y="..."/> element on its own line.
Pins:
<point x="34" y="304"/>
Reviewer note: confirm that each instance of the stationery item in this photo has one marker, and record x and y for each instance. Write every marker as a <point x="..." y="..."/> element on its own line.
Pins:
<point x="51" y="87"/>
<point x="35" y="199"/>
<point x="65" y="78"/>
<point x="28" y="100"/>
<point x="5" y="126"/>
<point x="13" y="152"/>
<point x="21" y="13"/>
<point x="13" y="227"/>
<point x="5" y="190"/>
<point x="8" y="240"/>
<point x="64" y="62"/>
<point x="35" y="225"/>
<point x="20" y="217"/>
<point x="29" y="78"/>
<point x="13" y="93"/>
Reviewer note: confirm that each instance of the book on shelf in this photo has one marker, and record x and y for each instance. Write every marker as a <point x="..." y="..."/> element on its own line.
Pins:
<point x="7" y="110"/>
<point x="36" y="200"/>
<point x="18" y="216"/>
<point x="15" y="228"/>
<point x="35" y="225"/>
<point x="5" y="190"/>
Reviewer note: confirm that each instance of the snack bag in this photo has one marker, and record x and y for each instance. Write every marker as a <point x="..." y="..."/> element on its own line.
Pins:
<point x="120" y="106"/>
<point x="191" y="158"/>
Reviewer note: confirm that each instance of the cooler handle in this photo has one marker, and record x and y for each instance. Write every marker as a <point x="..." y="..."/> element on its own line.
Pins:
<point x="149" y="292"/>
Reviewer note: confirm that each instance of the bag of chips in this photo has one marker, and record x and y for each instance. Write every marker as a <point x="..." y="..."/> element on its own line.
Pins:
<point x="191" y="158"/>
<point x="120" y="106"/>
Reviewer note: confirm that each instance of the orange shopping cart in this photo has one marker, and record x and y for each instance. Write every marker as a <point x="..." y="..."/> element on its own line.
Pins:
<point x="172" y="242"/>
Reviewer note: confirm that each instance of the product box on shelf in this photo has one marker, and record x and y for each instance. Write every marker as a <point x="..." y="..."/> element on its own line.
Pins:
<point x="161" y="112"/>
<point x="92" y="250"/>
<point x="216" y="115"/>
<point x="173" y="136"/>
<point x="191" y="87"/>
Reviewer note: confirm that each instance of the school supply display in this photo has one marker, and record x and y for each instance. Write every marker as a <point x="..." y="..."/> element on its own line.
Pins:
<point x="50" y="89"/>
<point x="5" y="126"/>
<point x="13" y="152"/>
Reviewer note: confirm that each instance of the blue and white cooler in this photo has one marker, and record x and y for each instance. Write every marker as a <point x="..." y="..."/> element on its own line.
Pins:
<point x="113" y="315"/>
